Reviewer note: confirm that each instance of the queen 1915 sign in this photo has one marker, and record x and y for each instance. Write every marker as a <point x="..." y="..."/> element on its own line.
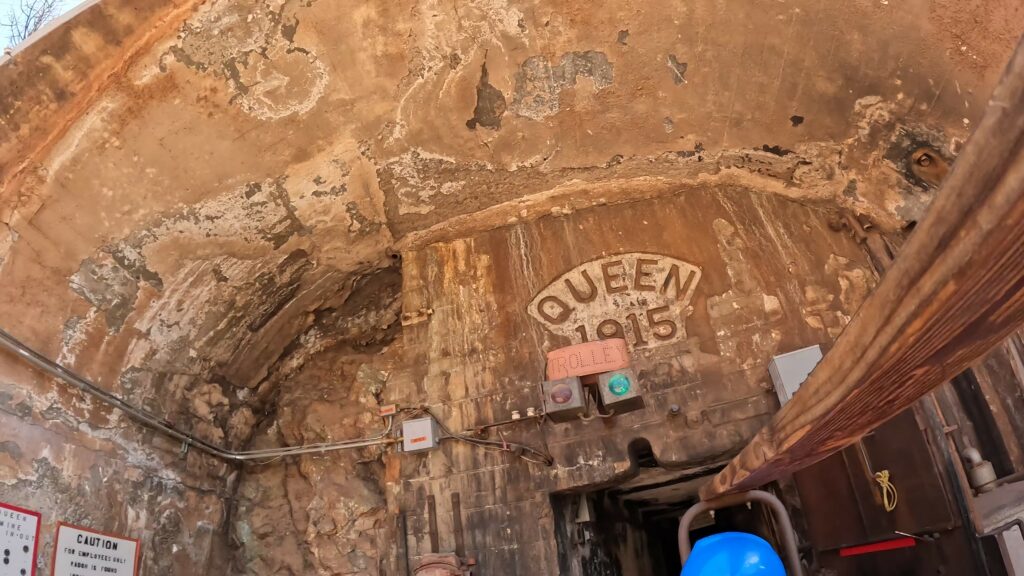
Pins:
<point x="19" y="540"/>
<point x="641" y="297"/>
<point x="80" y="551"/>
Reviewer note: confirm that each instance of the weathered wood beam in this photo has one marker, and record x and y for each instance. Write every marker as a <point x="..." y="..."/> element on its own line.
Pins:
<point x="955" y="291"/>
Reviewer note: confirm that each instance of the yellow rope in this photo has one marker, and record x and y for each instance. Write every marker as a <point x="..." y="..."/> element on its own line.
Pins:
<point x="889" y="495"/>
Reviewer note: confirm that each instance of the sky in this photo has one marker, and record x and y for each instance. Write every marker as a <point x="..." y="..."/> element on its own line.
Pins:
<point x="6" y="5"/>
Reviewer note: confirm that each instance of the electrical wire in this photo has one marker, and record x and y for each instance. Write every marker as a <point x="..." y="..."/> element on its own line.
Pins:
<point x="597" y="410"/>
<point x="546" y="459"/>
<point x="263" y="456"/>
<point x="188" y="441"/>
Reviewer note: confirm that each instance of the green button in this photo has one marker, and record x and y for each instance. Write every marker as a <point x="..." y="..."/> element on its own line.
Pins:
<point x="619" y="384"/>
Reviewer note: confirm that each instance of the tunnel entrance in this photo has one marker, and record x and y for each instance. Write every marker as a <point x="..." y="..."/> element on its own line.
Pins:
<point x="631" y="529"/>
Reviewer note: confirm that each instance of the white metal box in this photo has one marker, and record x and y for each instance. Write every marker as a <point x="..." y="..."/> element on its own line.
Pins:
<point x="420" y="434"/>
<point x="789" y="370"/>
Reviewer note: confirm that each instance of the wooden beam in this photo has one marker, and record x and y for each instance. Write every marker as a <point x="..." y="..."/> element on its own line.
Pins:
<point x="955" y="291"/>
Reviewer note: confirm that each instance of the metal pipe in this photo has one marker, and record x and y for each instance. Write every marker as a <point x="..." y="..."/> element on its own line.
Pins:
<point x="790" y="554"/>
<point x="460" y="539"/>
<point x="403" y="544"/>
<point x="151" y="421"/>
<point x="435" y="536"/>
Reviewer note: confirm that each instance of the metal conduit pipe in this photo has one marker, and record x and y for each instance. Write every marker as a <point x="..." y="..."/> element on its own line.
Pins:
<point x="151" y="421"/>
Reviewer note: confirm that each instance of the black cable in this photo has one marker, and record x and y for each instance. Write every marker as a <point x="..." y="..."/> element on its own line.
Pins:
<point x="161" y="425"/>
<point x="547" y="459"/>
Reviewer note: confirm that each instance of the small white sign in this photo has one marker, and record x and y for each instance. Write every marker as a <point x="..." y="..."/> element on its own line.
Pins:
<point x="19" y="540"/>
<point x="83" y="552"/>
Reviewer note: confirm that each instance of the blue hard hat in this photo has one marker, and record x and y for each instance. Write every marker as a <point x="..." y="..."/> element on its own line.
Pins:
<point x="733" y="554"/>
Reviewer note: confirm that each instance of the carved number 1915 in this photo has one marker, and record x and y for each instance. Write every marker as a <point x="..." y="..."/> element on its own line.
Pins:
<point x="661" y="328"/>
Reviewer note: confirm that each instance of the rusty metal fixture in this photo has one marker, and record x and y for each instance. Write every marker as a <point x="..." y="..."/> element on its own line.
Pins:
<point x="415" y="317"/>
<point x="928" y="165"/>
<point x="460" y="537"/>
<point x="865" y="233"/>
<point x="444" y="565"/>
<point x="435" y="536"/>
<point x="787" y="537"/>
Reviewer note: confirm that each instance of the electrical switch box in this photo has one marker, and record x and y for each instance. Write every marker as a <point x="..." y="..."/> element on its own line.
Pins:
<point x="563" y="399"/>
<point x="789" y="370"/>
<point x="620" y="391"/>
<point x="420" y="434"/>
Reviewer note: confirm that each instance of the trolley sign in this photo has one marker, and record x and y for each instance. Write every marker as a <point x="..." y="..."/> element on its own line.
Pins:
<point x="19" y="540"/>
<point x="79" y="551"/>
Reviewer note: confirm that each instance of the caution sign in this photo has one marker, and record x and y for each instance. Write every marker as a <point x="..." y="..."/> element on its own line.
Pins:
<point x="80" y="551"/>
<point x="19" y="540"/>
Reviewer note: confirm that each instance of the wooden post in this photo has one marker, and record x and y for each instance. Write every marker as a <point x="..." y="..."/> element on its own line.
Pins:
<point x="955" y="291"/>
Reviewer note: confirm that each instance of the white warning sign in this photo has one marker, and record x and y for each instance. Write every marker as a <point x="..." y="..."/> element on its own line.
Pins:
<point x="82" y="552"/>
<point x="19" y="537"/>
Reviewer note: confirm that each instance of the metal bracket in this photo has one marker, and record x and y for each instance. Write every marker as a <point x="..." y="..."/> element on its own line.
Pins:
<point x="413" y="318"/>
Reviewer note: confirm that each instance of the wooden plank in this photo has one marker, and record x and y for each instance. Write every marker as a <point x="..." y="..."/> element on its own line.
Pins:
<point x="1001" y="385"/>
<point x="956" y="290"/>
